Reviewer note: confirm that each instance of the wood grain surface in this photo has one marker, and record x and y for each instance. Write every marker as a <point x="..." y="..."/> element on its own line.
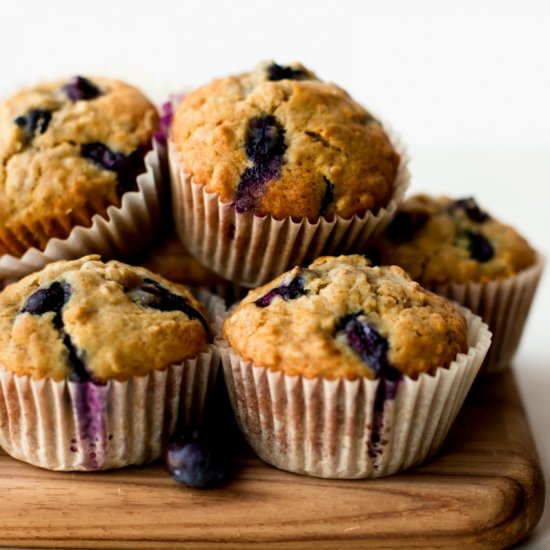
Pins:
<point x="484" y="490"/>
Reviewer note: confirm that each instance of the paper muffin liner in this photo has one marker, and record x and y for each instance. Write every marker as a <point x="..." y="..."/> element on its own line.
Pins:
<point x="504" y="305"/>
<point x="121" y="232"/>
<point x="350" y="429"/>
<point x="251" y="250"/>
<point x="85" y="426"/>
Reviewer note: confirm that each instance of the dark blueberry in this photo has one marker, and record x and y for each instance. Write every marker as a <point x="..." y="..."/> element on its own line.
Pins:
<point x="405" y="224"/>
<point x="195" y="461"/>
<point x="291" y="291"/>
<point x="44" y="300"/>
<point x="265" y="140"/>
<point x="153" y="295"/>
<point x="127" y="167"/>
<point x="369" y="344"/>
<point x="480" y="248"/>
<point x="103" y="157"/>
<point x="35" y="121"/>
<point x="283" y="72"/>
<point x="78" y="372"/>
<point x="265" y="147"/>
<point x="471" y="208"/>
<point x="328" y="197"/>
<point x="81" y="88"/>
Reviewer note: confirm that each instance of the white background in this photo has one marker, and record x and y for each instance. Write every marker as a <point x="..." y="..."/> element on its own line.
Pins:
<point x="467" y="85"/>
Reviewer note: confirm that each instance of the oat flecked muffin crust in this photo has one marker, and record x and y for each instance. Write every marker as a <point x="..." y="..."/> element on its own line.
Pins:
<point x="89" y="320"/>
<point x="438" y="240"/>
<point x="342" y="318"/>
<point x="280" y="141"/>
<point x="68" y="150"/>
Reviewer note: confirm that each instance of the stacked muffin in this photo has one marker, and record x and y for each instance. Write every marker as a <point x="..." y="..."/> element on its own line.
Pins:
<point x="338" y="369"/>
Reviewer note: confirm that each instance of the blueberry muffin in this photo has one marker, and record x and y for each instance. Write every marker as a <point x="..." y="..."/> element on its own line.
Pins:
<point x="68" y="150"/>
<point x="438" y="240"/>
<point x="274" y="168"/>
<point x="341" y="318"/>
<point x="344" y="370"/>
<point x="95" y="357"/>
<point x="457" y="249"/>
<point x="280" y="141"/>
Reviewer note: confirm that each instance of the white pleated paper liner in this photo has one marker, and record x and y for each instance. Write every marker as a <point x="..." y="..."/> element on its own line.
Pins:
<point x="84" y="426"/>
<point x="250" y="250"/>
<point x="504" y="305"/>
<point x="342" y="428"/>
<point x="124" y="231"/>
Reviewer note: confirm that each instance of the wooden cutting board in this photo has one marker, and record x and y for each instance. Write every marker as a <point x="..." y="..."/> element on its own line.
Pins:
<point x="484" y="490"/>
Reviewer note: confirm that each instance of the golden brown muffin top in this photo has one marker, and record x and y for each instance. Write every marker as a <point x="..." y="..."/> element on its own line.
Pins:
<point x="280" y="141"/>
<point x="438" y="240"/>
<point x="89" y="320"/>
<point x="342" y="318"/>
<point x="69" y="147"/>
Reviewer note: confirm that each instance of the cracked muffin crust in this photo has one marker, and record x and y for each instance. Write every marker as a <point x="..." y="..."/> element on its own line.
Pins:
<point x="438" y="240"/>
<point x="68" y="150"/>
<point x="86" y="320"/>
<point x="280" y="141"/>
<point x="342" y="318"/>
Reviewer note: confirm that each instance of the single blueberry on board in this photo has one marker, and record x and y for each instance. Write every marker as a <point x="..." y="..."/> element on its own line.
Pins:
<point x="284" y="72"/>
<point x="291" y="291"/>
<point x="405" y="224"/>
<point x="328" y="197"/>
<point x="35" y="121"/>
<point x="480" y="248"/>
<point x="81" y="88"/>
<point x="152" y="294"/>
<point x="471" y="208"/>
<point x="265" y="148"/>
<point x="195" y="461"/>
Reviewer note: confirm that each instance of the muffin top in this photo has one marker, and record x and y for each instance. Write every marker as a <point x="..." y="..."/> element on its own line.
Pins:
<point x="280" y="141"/>
<point x="342" y="318"/>
<point x="438" y="240"/>
<point x="88" y="320"/>
<point x="170" y="259"/>
<point x="66" y="148"/>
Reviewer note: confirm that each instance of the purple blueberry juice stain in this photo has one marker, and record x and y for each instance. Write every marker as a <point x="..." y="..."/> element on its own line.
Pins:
<point x="265" y="148"/>
<point x="166" y="117"/>
<point x="471" y="209"/>
<point x="363" y="338"/>
<point x="294" y="289"/>
<point x="79" y="88"/>
<point x="89" y="401"/>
